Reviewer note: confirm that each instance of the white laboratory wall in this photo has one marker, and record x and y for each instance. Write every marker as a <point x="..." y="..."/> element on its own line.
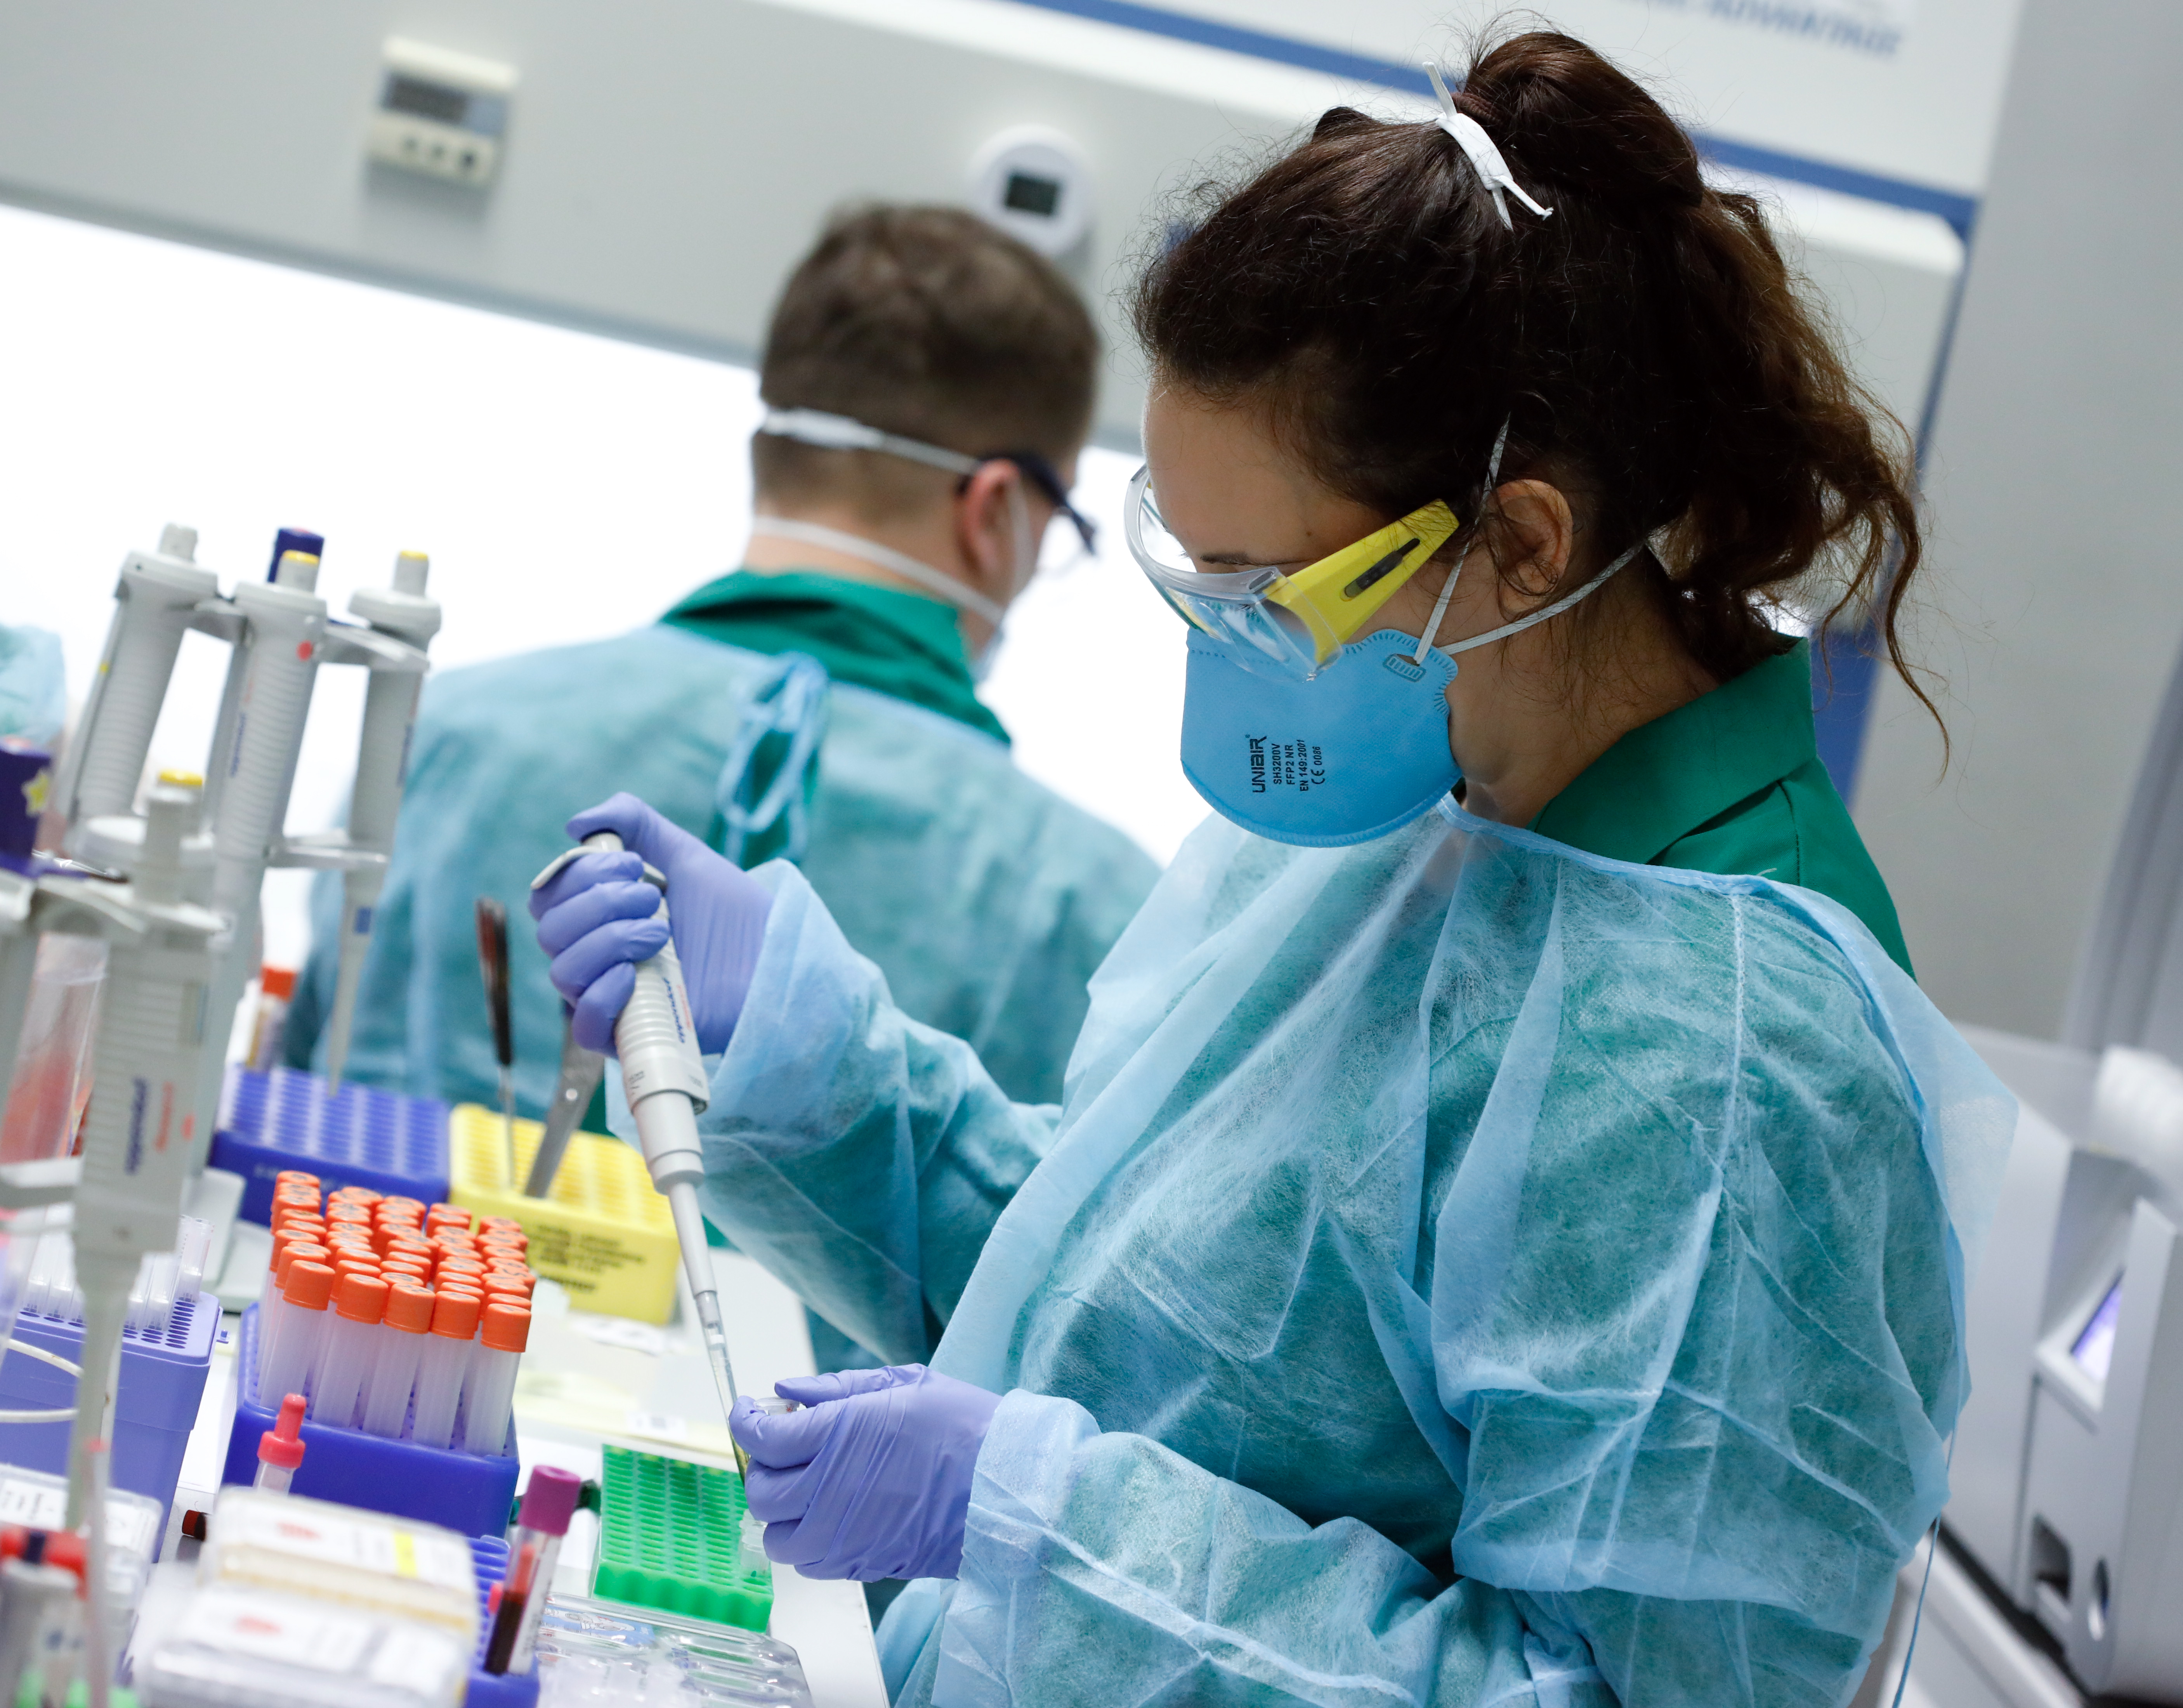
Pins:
<point x="666" y="161"/>
<point x="565" y="486"/>
<point x="2054" y="608"/>
<point x="1904" y="89"/>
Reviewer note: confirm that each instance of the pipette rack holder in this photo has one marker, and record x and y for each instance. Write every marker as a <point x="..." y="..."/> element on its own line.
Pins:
<point x="357" y="1135"/>
<point x="604" y="1232"/>
<point x="163" y="1379"/>
<point x="469" y="1491"/>
<point x="670" y="1538"/>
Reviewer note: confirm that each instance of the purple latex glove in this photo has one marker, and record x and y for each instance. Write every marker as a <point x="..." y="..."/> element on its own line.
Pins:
<point x="872" y="1479"/>
<point x="597" y="918"/>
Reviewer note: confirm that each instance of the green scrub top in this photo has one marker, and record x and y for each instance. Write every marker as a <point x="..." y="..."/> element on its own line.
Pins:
<point x="1731" y="783"/>
<point x="893" y="642"/>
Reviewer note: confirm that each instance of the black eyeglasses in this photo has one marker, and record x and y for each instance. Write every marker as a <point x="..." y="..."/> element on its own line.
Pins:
<point x="1042" y="475"/>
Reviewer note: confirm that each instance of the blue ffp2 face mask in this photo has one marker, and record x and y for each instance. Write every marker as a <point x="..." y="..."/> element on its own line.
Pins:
<point x="1356" y="753"/>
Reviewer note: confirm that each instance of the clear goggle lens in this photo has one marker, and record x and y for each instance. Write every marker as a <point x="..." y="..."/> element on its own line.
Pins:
<point x="1232" y="607"/>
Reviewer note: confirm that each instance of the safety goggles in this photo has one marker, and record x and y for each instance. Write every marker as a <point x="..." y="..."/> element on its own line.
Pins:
<point x="842" y="433"/>
<point x="1277" y="624"/>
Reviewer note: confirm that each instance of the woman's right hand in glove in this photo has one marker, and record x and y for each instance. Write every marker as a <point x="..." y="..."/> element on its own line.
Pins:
<point x="598" y="916"/>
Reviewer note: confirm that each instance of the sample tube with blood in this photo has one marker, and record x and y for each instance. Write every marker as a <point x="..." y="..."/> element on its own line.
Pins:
<point x="549" y="1502"/>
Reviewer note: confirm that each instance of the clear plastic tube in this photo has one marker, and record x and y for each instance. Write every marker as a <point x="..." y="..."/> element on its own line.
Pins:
<point x="291" y="1357"/>
<point x="352" y="1339"/>
<point x="489" y="1393"/>
<point x="443" y="1366"/>
<point x="403" y="1335"/>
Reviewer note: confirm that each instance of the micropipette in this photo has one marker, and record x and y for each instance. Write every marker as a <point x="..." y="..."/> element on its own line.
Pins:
<point x="663" y="1074"/>
<point x="492" y="962"/>
<point x="403" y="615"/>
<point x="581" y="1071"/>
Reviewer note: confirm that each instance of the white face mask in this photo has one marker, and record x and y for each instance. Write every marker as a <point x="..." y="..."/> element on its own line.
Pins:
<point x="937" y="582"/>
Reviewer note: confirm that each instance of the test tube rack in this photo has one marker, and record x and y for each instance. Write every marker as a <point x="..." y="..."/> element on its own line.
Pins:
<point x="670" y="1538"/>
<point x="358" y="1136"/>
<point x="467" y="1492"/>
<point x="162" y="1380"/>
<point x="604" y="1232"/>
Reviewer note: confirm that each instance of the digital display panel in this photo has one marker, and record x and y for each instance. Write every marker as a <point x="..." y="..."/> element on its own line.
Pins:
<point x="1029" y="193"/>
<point x="2094" y="1350"/>
<point x="425" y="100"/>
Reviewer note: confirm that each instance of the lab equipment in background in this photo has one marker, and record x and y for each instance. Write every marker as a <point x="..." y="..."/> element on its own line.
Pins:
<point x="2067" y="1485"/>
<point x="1034" y="183"/>
<point x="162" y="954"/>
<point x="593" y="1656"/>
<point x="45" y="1103"/>
<point x="288" y="1119"/>
<point x="605" y="1234"/>
<point x="581" y="1071"/>
<point x="279" y="633"/>
<point x="664" y="1076"/>
<point x="401" y="621"/>
<point x="671" y="1538"/>
<point x="549" y="1502"/>
<point x="441" y="112"/>
<point x="492" y="963"/>
<point x="280" y="1449"/>
<point x="156" y="603"/>
<point x="162" y="1380"/>
<point x="268" y="1024"/>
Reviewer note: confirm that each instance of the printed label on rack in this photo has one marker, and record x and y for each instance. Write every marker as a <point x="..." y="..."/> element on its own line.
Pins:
<point x="619" y="1331"/>
<point x="33" y="1505"/>
<point x="267" y="1629"/>
<point x="280" y="1527"/>
<point x="660" y="1425"/>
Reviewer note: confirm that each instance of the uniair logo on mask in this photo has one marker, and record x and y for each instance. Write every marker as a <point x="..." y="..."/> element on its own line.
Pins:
<point x="1300" y="765"/>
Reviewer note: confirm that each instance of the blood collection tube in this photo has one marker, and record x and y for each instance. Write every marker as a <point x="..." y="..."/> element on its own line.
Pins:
<point x="451" y="1213"/>
<point x="489" y="1391"/>
<point x="550" y="1501"/>
<point x="403" y="1335"/>
<point x="452" y="1267"/>
<point x="352" y="1338"/>
<point x="280" y="1449"/>
<point x="291" y="1352"/>
<point x="442" y="1366"/>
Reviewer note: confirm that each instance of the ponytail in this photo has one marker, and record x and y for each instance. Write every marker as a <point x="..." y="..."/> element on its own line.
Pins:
<point x="1647" y="345"/>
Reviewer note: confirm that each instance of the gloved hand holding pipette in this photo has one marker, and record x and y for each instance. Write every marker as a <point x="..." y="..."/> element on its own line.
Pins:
<point x="872" y="1478"/>
<point x="622" y="967"/>
<point x="598" y="919"/>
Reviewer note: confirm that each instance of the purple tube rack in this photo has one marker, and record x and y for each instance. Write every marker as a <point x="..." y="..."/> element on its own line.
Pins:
<point x="467" y="1492"/>
<point x="359" y="1135"/>
<point x="163" y="1378"/>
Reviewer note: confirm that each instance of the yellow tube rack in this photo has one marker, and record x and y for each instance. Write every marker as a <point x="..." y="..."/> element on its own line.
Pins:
<point x="604" y="1233"/>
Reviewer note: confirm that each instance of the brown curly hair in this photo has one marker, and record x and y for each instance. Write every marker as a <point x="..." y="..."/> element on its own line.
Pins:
<point x="1647" y="345"/>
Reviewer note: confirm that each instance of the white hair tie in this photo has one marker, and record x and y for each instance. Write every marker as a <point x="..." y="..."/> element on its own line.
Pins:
<point x="1484" y="158"/>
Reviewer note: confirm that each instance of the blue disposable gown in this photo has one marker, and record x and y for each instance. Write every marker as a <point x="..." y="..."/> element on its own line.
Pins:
<point x="987" y="898"/>
<point x="1462" y="1269"/>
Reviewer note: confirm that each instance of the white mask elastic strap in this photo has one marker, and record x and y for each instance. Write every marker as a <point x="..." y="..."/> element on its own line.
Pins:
<point x="1477" y="532"/>
<point x="1554" y="609"/>
<point x="840" y="433"/>
<point x="1484" y="158"/>
<point x="937" y="582"/>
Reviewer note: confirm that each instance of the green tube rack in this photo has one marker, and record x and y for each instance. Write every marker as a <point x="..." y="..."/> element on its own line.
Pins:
<point x="670" y="1539"/>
